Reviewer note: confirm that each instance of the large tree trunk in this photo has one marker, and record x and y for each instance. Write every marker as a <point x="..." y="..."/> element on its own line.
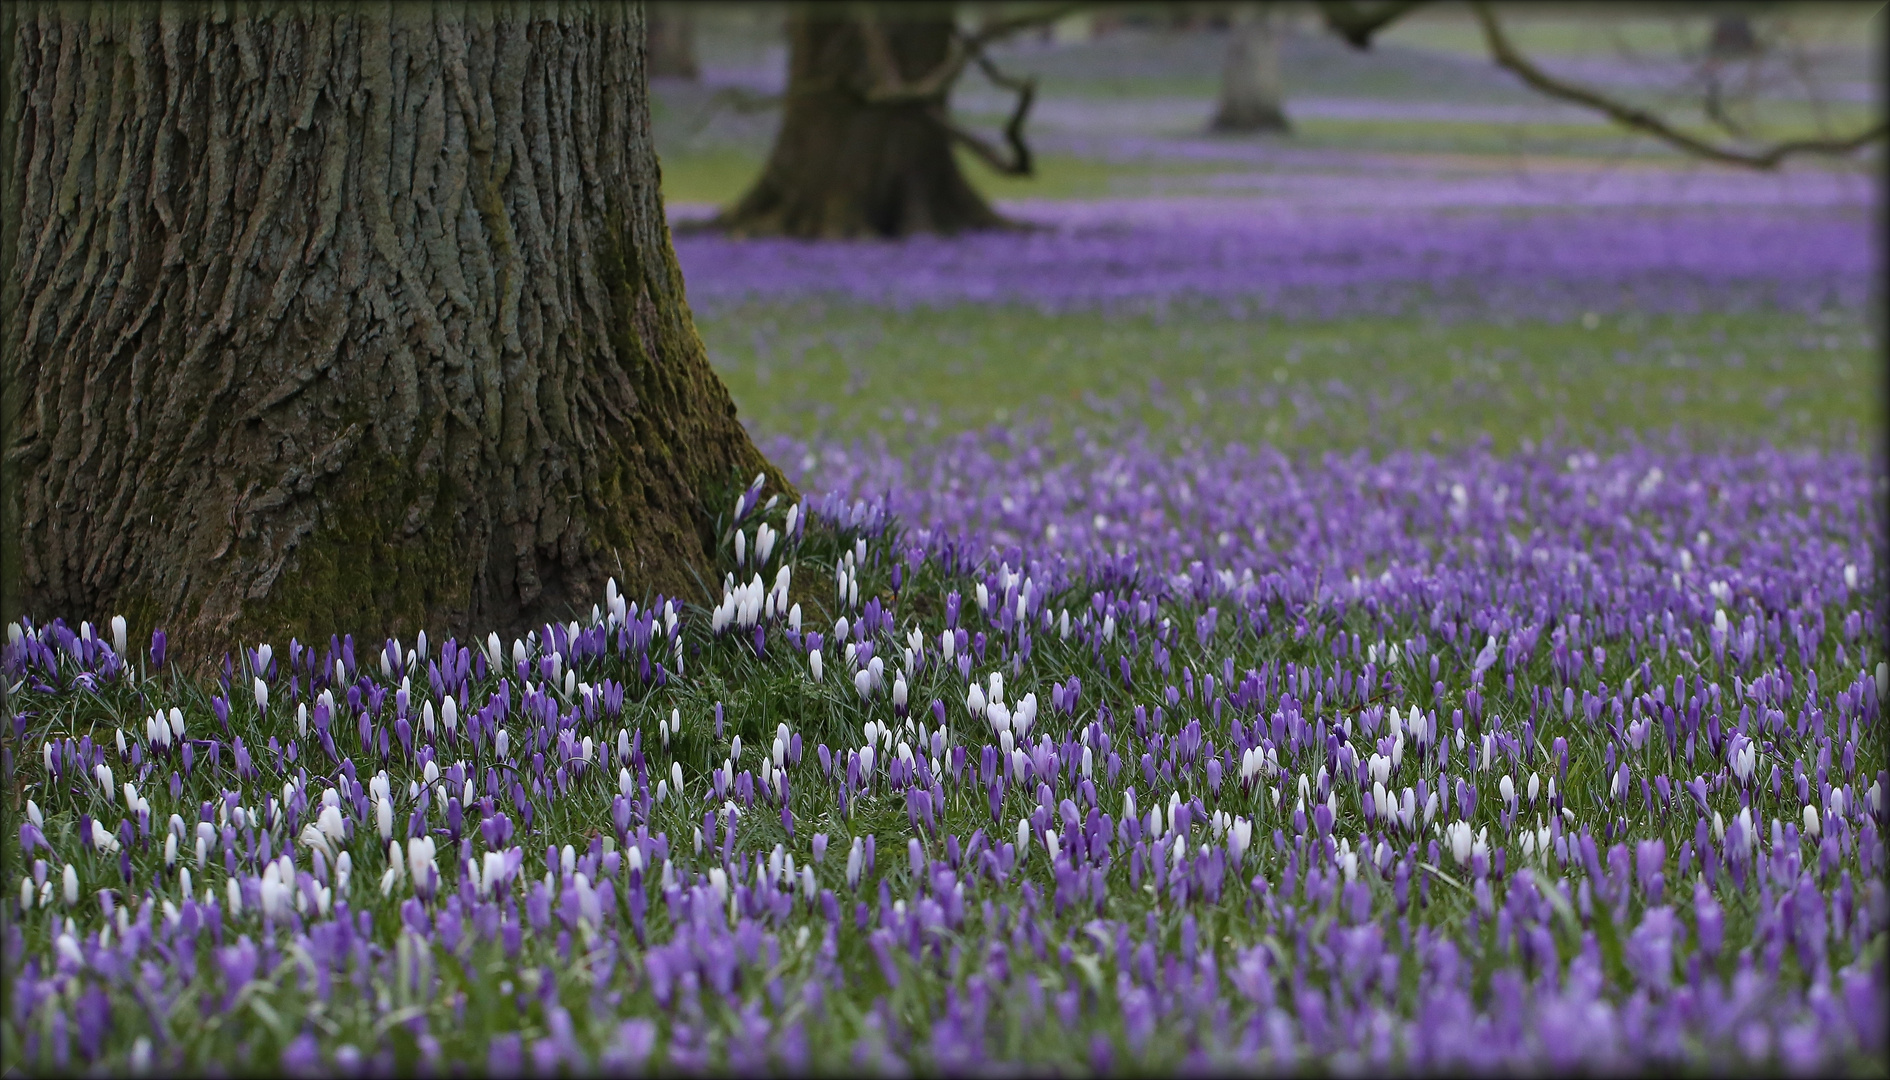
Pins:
<point x="672" y="46"/>
<point x="844" y="166"/>
<point x="356" y="318"/>
<point x="1251" y="93"/>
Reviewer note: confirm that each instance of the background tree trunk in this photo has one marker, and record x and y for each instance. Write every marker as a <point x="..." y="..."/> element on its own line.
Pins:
<point x="842" y="166"/>
<point x="353" y="318"/>
<point x="1251" y="93"/>
<point x="672" y="47"/>
<point x="1732" y="37"/>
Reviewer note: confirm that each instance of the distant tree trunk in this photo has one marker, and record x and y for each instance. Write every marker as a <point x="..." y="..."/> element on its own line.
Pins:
<point x="1732" y="38"/>
<point x="672" y="44"/>
<point x="359" y="318"/>
<point x="845" y="166"/>
<point x="1251" y="93"/>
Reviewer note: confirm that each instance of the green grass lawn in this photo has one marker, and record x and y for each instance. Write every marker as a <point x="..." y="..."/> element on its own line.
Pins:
<point x="843" y="371"/>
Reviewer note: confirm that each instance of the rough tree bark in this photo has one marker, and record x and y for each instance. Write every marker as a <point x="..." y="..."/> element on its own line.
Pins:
<point x="672" y="41"/>
<point x="847" y="165"/>
<point x="356" y="318"/>
<point x="1251" y="91"/>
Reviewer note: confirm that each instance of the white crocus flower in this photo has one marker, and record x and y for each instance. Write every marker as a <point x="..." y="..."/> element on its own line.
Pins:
<point x="330" y="823"/>
<point x="1240" y="836"/>
<point x="1461" y="840"/>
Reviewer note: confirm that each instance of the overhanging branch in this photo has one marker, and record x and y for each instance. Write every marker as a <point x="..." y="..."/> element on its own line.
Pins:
<point x="1506" y="55"/>
<point x="1357" y="25"/>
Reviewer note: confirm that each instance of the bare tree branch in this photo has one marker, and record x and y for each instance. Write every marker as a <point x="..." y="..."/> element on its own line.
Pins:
<point x="1020" y="162"/>
<point x="1504" y="52"/>
<point x="1357" y="25"/>
<point x="891" y="88"/>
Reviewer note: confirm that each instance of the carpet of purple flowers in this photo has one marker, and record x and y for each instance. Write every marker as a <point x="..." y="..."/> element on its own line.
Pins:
<point x="1212" y="759"/>
<point x="1273" y="256"/>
